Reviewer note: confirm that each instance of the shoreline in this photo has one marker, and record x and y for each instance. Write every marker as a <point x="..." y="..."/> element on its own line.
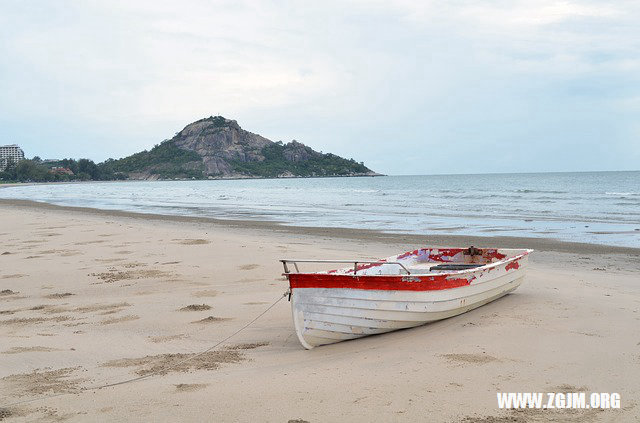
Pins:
<point x="212" y="178"/>
<point x="538" y="244"/>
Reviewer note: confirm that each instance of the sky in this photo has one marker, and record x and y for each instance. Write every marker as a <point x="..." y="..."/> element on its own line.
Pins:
<point x="408" y="87"/>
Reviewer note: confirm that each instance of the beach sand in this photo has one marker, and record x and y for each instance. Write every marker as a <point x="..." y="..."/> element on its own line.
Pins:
<point x="91" y="297"/>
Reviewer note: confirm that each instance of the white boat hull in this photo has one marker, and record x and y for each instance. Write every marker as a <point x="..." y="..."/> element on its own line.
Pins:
<point x="328" y="315"/>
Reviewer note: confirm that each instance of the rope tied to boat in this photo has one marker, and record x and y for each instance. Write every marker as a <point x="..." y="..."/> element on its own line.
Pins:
<point x="156" y="372"/>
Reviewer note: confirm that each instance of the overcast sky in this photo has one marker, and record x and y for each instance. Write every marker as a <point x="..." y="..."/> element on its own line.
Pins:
<point x="407" y="87"/>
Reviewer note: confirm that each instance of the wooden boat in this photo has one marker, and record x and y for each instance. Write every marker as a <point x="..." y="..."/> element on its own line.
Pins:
<point x="402" y="291"/>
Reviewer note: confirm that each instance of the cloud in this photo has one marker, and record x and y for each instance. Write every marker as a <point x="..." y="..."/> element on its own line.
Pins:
<point x="363" y="79"/>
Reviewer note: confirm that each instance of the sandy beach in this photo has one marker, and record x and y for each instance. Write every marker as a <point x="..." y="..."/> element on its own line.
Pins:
<point x="89" y="298"/>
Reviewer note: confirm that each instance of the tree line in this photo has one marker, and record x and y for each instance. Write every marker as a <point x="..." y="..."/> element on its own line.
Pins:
<point x="35" y="170"/>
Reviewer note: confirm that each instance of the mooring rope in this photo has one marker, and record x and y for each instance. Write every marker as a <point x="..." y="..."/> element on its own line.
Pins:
<point x="150" y="374"/>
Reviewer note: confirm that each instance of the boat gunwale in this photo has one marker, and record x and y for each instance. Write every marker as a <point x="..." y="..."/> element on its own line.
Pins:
<point x="383" y="261"/>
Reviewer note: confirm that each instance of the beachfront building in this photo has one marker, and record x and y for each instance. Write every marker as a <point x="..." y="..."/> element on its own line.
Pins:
<point x="11" y="153"/>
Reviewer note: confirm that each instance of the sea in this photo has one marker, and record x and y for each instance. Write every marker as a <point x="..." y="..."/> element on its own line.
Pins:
<point x="591" y="207"/>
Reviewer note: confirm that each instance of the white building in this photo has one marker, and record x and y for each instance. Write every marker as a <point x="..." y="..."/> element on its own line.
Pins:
<point x="10" y="152"/>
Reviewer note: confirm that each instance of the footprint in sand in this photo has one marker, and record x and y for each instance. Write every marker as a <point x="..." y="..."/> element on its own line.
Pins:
<point x="58" y="295"/>
<point x="61" y="253"/>
<point x="5" y="413"/>
<point x="206" y="293"/>
<point x="46" y="382"/>
<point x="108" y="260"/>
<point x="133" y="265"/>
<point x="34" y="241"/>
<point x="18" y="350"/>
<point x="190" y="387"/>
<point x="122" y="319"/>
<point x="115" y="307"/>
<point x="97" y="241"/>
<point x="249" y="346"/>
<point x="50" y="309"/>
<point x="179" y="362"/>
<point x="192" y="241"/>
<point x="469" y="358"/>
<point x="248" y="267"/>
<point x="167" y="338"/>
<point x="196" y="307"/>
<point x="35" y="320"/>
<point x="114" y="275"/>
<point x="211" y="319"/>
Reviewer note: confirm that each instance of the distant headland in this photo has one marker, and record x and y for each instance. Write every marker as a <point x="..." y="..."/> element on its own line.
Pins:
<point x="210" y="148"/>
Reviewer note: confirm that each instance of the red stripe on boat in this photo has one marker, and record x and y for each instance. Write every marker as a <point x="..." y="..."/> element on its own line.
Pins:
<point x="492" y="253"/>
<point x="384" y="283"/>
<point x="513" y="265"/>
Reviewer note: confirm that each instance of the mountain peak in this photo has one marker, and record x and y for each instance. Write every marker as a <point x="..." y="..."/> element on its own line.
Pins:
<point x="221" y="122"/>
<point x="217" y="147"/>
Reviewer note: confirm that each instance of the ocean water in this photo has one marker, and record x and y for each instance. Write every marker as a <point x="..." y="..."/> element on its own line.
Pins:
<point x="593" y="207"/>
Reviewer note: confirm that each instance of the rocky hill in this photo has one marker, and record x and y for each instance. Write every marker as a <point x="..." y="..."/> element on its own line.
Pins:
<point x="216" y="147"/>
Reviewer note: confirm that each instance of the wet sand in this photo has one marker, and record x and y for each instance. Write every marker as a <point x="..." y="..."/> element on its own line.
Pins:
<point x="91" y="297"/>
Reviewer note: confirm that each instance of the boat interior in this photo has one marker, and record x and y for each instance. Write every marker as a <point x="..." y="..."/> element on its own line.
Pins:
<point x="418" y="262"/>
